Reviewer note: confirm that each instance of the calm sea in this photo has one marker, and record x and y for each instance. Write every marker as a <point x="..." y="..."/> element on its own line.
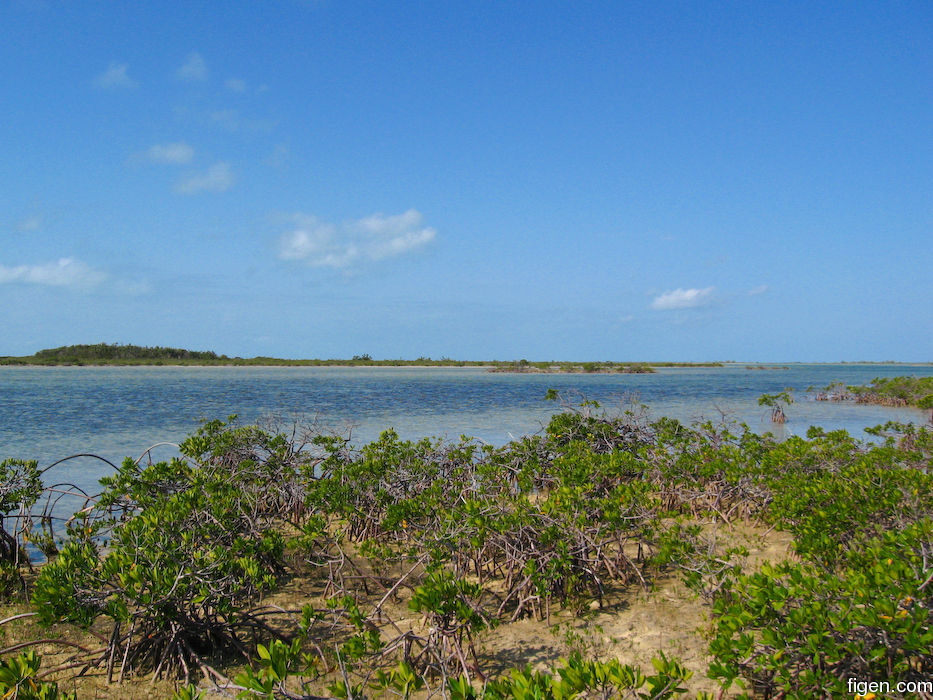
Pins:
<point x="50" y="413"/>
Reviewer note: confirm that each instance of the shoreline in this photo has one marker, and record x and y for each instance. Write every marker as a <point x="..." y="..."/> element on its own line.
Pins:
<point x="489" y="366"/>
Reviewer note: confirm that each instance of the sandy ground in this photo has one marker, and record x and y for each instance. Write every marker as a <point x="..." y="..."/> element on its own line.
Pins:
<point x="633" y="626"/>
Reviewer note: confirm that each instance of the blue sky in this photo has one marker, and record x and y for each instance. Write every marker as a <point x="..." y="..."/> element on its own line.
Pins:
<point x="478" y="180"/>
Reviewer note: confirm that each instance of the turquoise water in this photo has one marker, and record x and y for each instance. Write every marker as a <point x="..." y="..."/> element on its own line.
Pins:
<point x="50" y="413"/>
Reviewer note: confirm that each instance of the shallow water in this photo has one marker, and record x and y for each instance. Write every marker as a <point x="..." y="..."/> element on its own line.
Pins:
<point x="47" y="413"/>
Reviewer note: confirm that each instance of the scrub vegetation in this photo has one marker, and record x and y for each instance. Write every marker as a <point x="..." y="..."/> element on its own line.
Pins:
<point x="896" y="391"/>
<point x="271" y="563"/>
<point x="884" y="391"/>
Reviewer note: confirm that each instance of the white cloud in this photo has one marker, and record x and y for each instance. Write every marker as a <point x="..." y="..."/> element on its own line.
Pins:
<point x="409" y="240"/>
<point x="116" y="76"/>
<point x="217" y="178"/>
<point x="380" y="224"/>
<point x="235" y="85"/>
<point x="170" y="153"/>
<point x="376" y="237"/>
<point x="760" y="289"/>
<point x="683" y="299"/>
<point x="311" y="238"/>
<point x="65" y="272"/>
<point x="194" y="69"/>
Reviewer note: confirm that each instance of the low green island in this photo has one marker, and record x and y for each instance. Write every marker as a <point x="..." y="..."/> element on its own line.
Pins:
<point x="125" y="355"/>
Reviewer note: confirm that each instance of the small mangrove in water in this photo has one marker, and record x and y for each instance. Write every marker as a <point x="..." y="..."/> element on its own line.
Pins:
<point x="776" y="403"/>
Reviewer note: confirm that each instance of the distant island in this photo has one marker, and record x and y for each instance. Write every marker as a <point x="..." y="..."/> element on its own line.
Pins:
<point x="524" y="366"/>
<point x="128" y="355"/>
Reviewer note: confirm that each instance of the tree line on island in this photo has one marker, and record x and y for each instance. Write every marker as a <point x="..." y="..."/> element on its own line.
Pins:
<point x="120" y="354"/>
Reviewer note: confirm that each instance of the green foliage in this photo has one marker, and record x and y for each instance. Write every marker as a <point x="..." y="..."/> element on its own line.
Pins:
<point x="400" y="681"/>
<point x="777" y="402"/>
<point x="783" y="397"/>
<point x="858" y="604"/>
<point x="103" y="353"/>
<point x="448" y="602"/>
<point x="533" y="507"/>
<point x="582" y="678"/>
<point x="20" y="484"/>
<point x="188" y="692"/>
<point x="705" y="569"/>
<point x="18" y="680"/>
<point x="189" y="544"/>
<point x="11" y="581"/>
<point x="832" y="511"/>
<point x="800" y="631"/>
<point x="20" y="487"/>
<point x="176" y="556"/>
<point x="896" y="391"/>
<point x="277" y="661"/>
<point x="600" y="433"/>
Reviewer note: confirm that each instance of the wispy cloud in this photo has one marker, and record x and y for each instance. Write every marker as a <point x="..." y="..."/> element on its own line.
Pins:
<point x="29" y="224"/>
<point x="217" y="178"/>
<point x="235" y="85"/>
<point x="231" y="120"/>
<point x="376" y="237"/>
<point x="760" y="289"/>
<point x="65" y="272"/>
<point x="683" y="299"/>
<point x="116" y="76"/>
<point x="279" y="156"/>
<point x="194" y="69"/>
<point x="170" y="153"/>
<point x="132" y="287"/>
